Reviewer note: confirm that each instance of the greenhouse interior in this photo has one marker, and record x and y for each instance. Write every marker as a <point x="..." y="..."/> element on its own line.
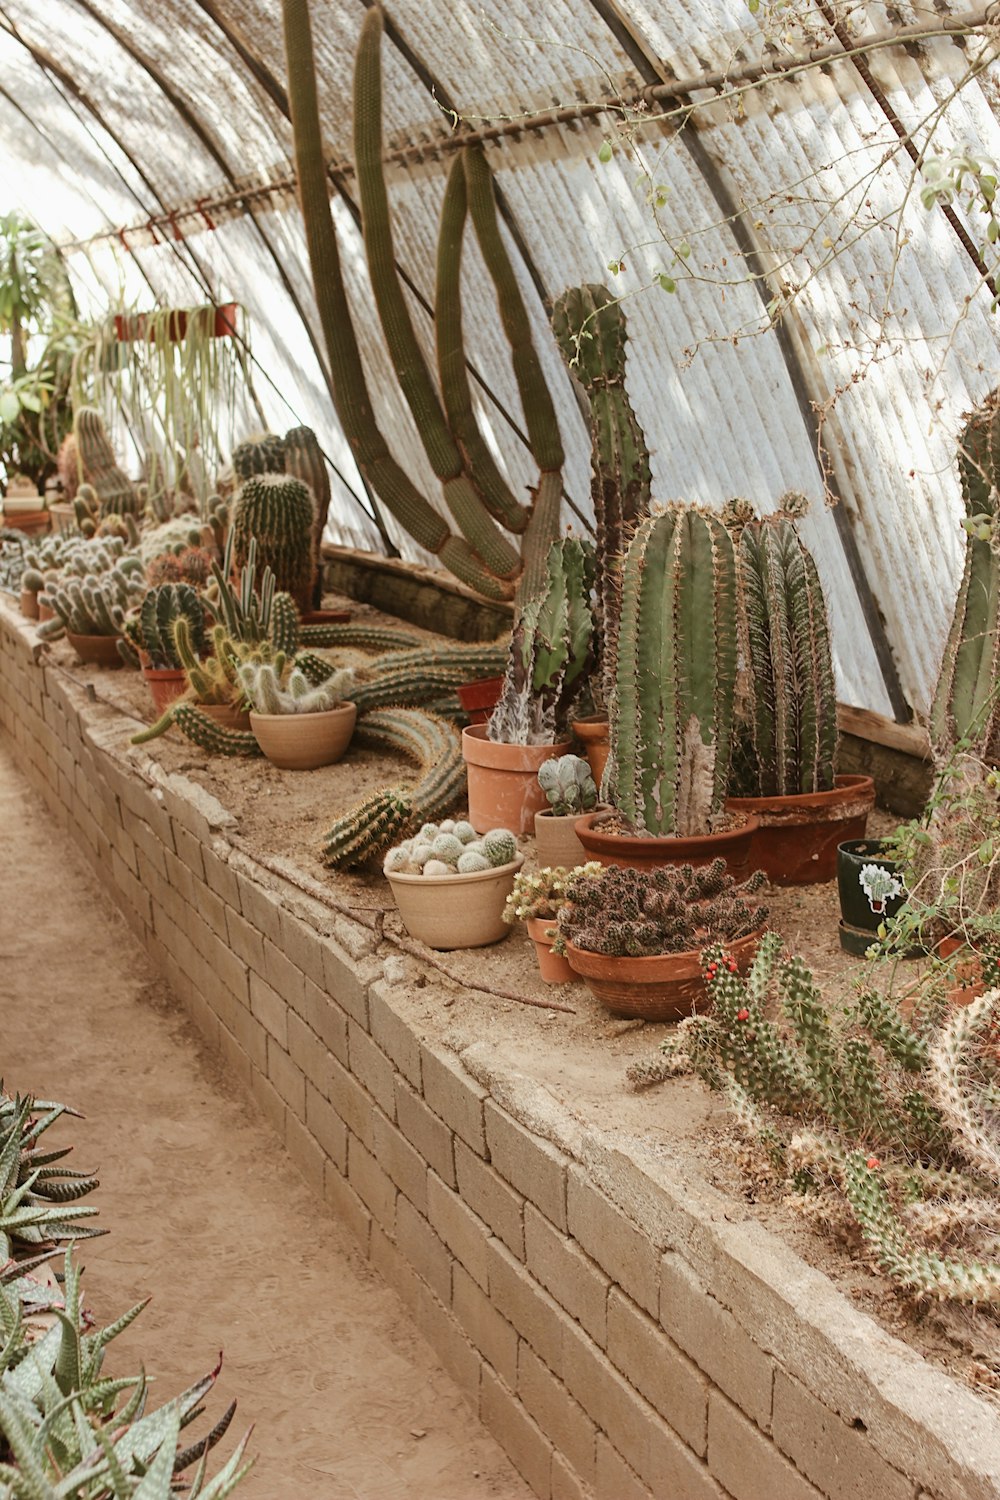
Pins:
<point x="500" y="750"/>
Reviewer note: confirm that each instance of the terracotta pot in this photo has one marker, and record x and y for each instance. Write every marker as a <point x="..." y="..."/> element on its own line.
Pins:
<point x="99" y="650"/>
<point x="592" y="733"/>
<point x="553" y="967"/>
<point x="635" y="853"/>
<point x="663" y="988"/>
<point x="456" y="911"/>
<point x="968" y="973"/>
<point x="31" y="521"/>
<point x="301" y="742"/>
<point x="165" y="685"/>
<point x="503" y="781"/>
<point x="226" y="715"/>
<point x="29" y="604"/>
<point x="480" y="698"/>
<point x="798" y="836"/>
<point x="325" y="616"/>
<point x="45" y="611"/>
<point x="556" y="842"/>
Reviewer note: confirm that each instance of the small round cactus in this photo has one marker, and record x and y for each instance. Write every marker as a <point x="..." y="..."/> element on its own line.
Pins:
<point x="499" y="846"/>
<point x="447" y="847"/>
<point x="397" y="860"/>
<point x="447" y="826"/>
<point x="464" y="831"/>
<point x="421" y="852"/>
<point x="472" y="862"/>
<point x="428" y="833"/>
<point x="438" y="867"/>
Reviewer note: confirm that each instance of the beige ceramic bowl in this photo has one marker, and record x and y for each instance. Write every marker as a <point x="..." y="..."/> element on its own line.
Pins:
<point x="456" y="911"/>
<point x="301" y="742"/>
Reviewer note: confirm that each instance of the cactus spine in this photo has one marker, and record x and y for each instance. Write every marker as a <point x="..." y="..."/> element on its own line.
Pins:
<point x="278" y="512"/>
<point x="676" y="673"/>
<point x="304" y="460"/>
<point x="361" y="637"/>
<point x="590" y="329"/>
<point x="966" y="701"/>
<point x="787" y="735"/>
<point x="99" y="465"/>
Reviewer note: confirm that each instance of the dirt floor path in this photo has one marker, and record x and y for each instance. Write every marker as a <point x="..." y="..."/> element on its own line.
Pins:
<point x="207" y="1213"/>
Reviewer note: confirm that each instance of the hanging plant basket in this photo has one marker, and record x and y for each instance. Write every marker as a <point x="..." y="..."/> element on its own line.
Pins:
<point x="172" y="327"/>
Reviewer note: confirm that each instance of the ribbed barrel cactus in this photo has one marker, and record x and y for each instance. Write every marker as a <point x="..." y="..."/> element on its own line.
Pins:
<point x="153" y="629"/>
<point x="967" y="701"/>
<point x="261" y="454"/>
<point x="277" y="511"/>
<point x="787" y="735"/>
<point x="673" y="705"/>
<point x="304" y="460"/>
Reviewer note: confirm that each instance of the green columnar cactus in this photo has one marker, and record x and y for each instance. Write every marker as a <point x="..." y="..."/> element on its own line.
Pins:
<point x="304" y="460"/>
<point x="99" y="465"/>
<point x="277" y="511"/>
<point x="482" y="556"/>
<point x="153" y="630"/>
<point x="590" y="330"/>
<point x="549" y="650"/>
<point x="787" y="735"/>
<point x="414" y="679"/>
<point x="361" y="637"/>
<point x="966" y="701"/>
<point x="673" y="706"/>
<point x="204" y="732"/>
<point x="369" y="830"/>
<point x="263" y="454"/>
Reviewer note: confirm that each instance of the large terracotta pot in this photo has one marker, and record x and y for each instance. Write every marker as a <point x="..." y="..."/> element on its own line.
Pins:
<point x="34" y="522"/>
<point x="503" y="781"/>
<point x="663" y="988"/>
<point x="226" y="715"/>
<point x="456" y="911"/>
<point x="796" y="843"/>
<point x="99" y="650"/>
<point x="553" y="967"/>
<point x="301" y="742"/>
<point x="29" y="604"/>
<point x="632" y="852"/>
<point x="556" y="842"/>
<point x="593" y="735"/>
<point x="165" y="685"/>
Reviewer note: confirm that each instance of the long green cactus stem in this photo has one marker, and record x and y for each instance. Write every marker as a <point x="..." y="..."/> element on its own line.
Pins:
<point x="367" y="831"/>
<point x="786" y="738"/>
<point x="675" y="681"/>
<point x="967" y="701"/>
<point x="360" y="637"/>
<point x="304" y="459"/>
<point x="100" y="466"/>
<point x="590" y="329"/>
<point x="412" y="679"/>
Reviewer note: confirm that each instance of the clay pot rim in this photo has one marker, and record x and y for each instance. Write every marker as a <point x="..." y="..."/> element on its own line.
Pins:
<point x="684" y="964"/>
<point x="311" y="718"/>
<point x="591" y="727"/>
<point x="468" y="877"/>
<point x="630" y="841"/>
<point x="498" y="755"/>
<point x="845" y="790"/>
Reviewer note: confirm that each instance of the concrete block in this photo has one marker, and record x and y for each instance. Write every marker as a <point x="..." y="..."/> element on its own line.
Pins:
<point x="302" y="946"/>
<point x="426" y="1132"/>
<point x="748" y="1465"/>
<point x="531" y="1165"/>
<point x="146" y="840"/>
<point x="576" y="1282"/>
<point x="616" y="1480"/>
<point x="287" y="1078"/>
<point x="486" y="1193"/>
<point x="559" y="1416"/>
<point x="327" y="1128"/>
<point x="618" y="1246"/>
<point x="392" y="1034"/>
<point x="344" y="981"/>
<point x="375" y="1189"/>
<point x="347" y="1207"/>
<point x="212" y="909"/>
<point x="248" y="1031"/>
<point x="245" y="941"/>
<point x="353" y="1105"/>
<point x="326" y="1019"/>
<point x="607" y="1398"/>
<point x="566" y="1484"/>
<point x="491" y="1334"/>
<point x="454" y="1096"/>
<point x="284" y="977"/>
<point x="650" y="1361"/>
<point x="838" y="1458"/>
<point x="527" y="1446"/>
<point x="371" y="1067"/>
<point x="229" y="969"/>
<point x="271" y="1104"/>
<point x="218" y="875"/>
<point x="404" y="1165"/>
<point x="458" y="1356"/>
<point x="715" y="1341"/>
<point x="258" y="905"/>
<point x="463" y="1232"/>
<point x="269" y="1008"/>
<point x="519" y="1299"/>
<point x="308" y="1156"/>
<point x="308" y="1053"/>
<point x="423" y="1249"/>
<point x="236" y="1062"/>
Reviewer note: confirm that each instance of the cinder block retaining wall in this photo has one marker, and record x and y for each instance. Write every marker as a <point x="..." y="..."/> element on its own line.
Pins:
<point x="620" y="1330"/>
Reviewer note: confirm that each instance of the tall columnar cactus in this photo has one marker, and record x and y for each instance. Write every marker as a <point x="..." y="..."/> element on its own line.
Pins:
<point x="100" y="466"/>
<point x="304" y="459"/>
<point x="787" y="735"/>
<point x="590" y="329"/>
<point x="277" y="511"/>
<point x="967" y="699"/>
<point x="549" y="650"/>
<point x="673" y="705"/>
<point x="485" y="514"/>
<point x="368" y="830"/>
<point x="262" y="454"/>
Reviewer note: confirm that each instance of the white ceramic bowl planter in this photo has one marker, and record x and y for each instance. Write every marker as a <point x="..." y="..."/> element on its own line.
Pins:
<point x="443" y="904"/>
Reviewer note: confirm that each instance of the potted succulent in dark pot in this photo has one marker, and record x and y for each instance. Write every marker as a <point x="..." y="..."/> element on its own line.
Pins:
<point x="570" y="791"/>
<point x="871" y="890"/>
<point x="636" y="936"/>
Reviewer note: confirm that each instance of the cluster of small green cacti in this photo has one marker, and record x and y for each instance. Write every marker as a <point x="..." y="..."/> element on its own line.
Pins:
<point x="304" y="460"/>
<point x="264" y="453"/>
<point x="91" y="522"/>
<point x="549" y="652"/>
<point x="249" y="613"/>
<point x="184" y="563"/>
<point x="674" y="701"/>
<point x="114" y="489"/>
<point x="368" y="830"/>
<point x="419" y="677"/>
<point x="12" y="558"/>
<point x="786" y="735"/>
<point x="280" y="687"/>
<point x="590" y="329"/>
<point x="169" y="536"/>
<point x="38" y="1200"/>
<point x="152" y="630"/>
<point x="880" y="1123"/>
<point x="215" y="513"/>
<point x="671" y="909"/>
<point x="96" y="604"/>
<point x="544" y="892"/>
<point x="567" y="784"/>
<point x="277" y="512"/>
<point x="451" y="848"/>
<point x="213" y="679"/>
<point x="966" y="704"/>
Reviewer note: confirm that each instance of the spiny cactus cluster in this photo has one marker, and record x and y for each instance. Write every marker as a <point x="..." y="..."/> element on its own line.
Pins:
<point x="277" y="511"/>
<point x="279" y="687"/>
<point x="674" y="701"/>
<point x="100" y="467"/>
<point x="787" y="732"/>
<point x="549" y="650"/>
<point x="213" y="680"/>
<point x="567" y="784"/>
<point x="883" y="1125"/>
<point x="96" y="604"/>
<point x="253" y="613"/>
<point x="451" y="848"/>
<point x="184" y="563"/>
<point x="672" y="909"/>
<point x="152" y="630"/>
